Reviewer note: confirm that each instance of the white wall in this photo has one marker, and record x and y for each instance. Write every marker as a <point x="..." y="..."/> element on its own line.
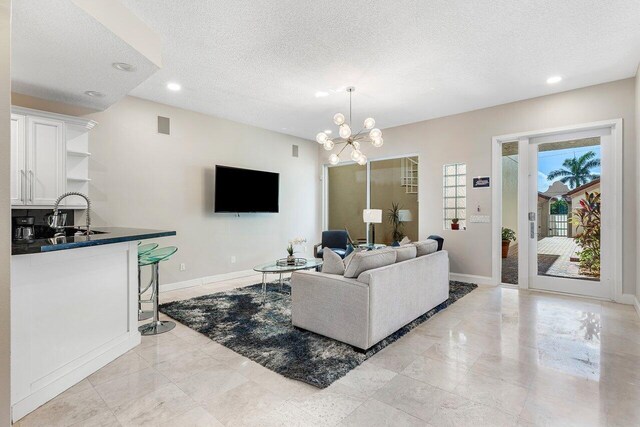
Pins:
<point x="466" y="138"/>
<point x="5" y="215"/>
<point x="637" y="119"/>
<point x="144" y="179"/>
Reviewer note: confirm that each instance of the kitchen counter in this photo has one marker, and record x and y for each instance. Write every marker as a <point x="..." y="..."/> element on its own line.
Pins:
<point x="103" y="236"/>
<point x="72" y="311"/>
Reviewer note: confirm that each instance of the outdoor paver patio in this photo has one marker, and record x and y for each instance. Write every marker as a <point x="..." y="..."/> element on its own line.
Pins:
<point x="554" y="259"/>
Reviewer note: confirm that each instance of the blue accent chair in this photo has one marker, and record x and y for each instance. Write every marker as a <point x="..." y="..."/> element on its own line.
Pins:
<point x="336" y="240"/>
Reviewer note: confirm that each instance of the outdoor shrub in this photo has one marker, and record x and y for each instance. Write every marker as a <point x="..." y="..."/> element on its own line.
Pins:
<point x="587" y="218"/>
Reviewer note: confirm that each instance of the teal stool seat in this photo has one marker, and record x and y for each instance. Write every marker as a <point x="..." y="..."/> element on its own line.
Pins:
<point x="153" y="258"/>
<point x="145" y="249"/>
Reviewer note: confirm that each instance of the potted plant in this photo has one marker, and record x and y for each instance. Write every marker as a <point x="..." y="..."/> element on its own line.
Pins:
<point x="508" y="236"/>
<point x="393" y="216"/>
<point x="454" y="224"/>
<point x="291" y="259"/>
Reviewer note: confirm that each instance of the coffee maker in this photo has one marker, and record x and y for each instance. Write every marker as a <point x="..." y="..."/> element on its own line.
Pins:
<point x="24" y="230"/>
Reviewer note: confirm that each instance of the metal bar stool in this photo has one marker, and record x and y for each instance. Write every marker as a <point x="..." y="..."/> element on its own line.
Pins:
<point x="153" y="258"/>
<point x="142" y="251"/>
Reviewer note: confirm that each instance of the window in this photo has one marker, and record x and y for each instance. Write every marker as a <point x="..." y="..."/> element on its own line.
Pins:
<point x="454" y="194"/>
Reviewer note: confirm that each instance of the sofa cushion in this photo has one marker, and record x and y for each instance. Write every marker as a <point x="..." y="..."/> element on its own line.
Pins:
<point x="405" y="241"/>
<point x="368" y="260"/>
<point x="340" y="252"/>
<point x="405" y="252"/>
<point x="332" y="262"/>
<point x="426" y="247"/>
<point x="365" y="277"/>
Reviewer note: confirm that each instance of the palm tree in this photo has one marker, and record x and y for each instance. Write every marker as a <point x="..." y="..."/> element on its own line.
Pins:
<point x="577" y="171"/>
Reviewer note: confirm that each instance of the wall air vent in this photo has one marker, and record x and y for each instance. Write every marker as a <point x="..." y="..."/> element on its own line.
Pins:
<point x="294" y="150"/>
<point x="164" y="125"/>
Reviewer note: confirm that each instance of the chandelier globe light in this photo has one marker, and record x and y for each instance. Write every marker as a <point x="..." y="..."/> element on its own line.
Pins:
<point x="368" y="133"/>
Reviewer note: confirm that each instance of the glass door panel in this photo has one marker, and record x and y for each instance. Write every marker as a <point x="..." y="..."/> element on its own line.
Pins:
<point x="565" y="216"/>
<point x="347" y="198"/>
<point x="394" y="185"/>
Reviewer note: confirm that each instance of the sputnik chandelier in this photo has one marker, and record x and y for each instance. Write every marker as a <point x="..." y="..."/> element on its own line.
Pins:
<point x="367" y="134"/>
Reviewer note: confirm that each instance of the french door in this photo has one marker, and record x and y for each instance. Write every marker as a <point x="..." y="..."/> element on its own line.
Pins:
<point x="569" y="220"/>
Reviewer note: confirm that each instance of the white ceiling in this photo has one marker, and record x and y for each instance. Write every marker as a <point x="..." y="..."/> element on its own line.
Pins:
<point x="261" y="62"/>
<point x="59" y="51"/>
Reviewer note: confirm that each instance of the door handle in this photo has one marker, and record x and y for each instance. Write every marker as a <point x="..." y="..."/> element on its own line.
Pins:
<point x="32" y="186"/>
<point x="533" y="229"/>
<point x="23" y="188"/>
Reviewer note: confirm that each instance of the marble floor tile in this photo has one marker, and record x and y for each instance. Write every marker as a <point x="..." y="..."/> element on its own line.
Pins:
<point x="544" y="409"/>
<point x="508" y="398"/>
<point x="445" y="375"/>
<point x="393" y="358"/>
<point x="195" y="417"/>
<point x="331" y="405"/>
<point x="412" y="396"/>
<point x="496" y="357"/>
<point x="456" y="411"/>
<point x="122" y="390"/>
<point x="102" y="419"/>
<point x="67" y="409"/>
<point x="203" y="385"/>
<point x="504" y="368"/>
<point x="155" y="407"/>
<point x="367" y="378"/>
<point x="373" y="413"/>
<point x="242" y="403"/>
<point x="126" y="364"/>
<point x="188" y="364"/>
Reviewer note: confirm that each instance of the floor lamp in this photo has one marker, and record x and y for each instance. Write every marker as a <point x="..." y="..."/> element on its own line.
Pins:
<point x="372" y="217"/>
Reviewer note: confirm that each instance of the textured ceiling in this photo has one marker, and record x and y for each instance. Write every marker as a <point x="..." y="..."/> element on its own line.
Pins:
<point x="261" y="62"/>
<point x="58" y="52"/>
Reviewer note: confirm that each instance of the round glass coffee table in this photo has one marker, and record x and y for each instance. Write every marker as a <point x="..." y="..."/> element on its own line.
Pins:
<point x="279" y="268"/>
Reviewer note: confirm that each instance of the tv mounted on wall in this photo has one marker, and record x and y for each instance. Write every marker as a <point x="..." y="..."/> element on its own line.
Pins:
<point x="245" y="190"/>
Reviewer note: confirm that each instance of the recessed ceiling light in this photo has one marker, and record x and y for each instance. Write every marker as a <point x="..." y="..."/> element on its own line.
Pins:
<point x="328" y="131"/>
<point x="321" y="94"/>
<point x="123" y="66"/>
<point x="554" y="79"/>
<point x="174" y="86"/>
<point x="94" y="93"/>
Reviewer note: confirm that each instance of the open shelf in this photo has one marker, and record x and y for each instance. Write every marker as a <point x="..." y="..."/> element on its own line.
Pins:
<point x="78" y="153"/>
<point x="71" y="178"/>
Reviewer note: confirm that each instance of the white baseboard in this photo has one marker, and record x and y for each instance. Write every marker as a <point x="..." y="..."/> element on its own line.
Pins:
<point x="470" y="278"/>
<point x="206" y="280"/>
<point x="636" y="305"/>
<point x="629" y="299"/>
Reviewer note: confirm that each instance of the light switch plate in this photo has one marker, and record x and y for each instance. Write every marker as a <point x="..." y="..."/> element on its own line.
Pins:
<point x="480" y="219"/>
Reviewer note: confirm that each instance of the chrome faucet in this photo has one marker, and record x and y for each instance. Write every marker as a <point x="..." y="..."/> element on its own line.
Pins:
<point x="55" y="219"/>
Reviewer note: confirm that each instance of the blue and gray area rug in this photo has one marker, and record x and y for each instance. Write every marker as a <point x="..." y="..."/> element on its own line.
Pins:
<point x="263" y="333"/>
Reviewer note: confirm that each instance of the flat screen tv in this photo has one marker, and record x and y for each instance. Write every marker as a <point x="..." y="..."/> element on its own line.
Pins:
<point x="245" y="190"/>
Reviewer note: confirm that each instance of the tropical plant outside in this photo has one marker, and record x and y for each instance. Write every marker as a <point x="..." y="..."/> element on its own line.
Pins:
<point x="559" y="207"/>
<point x="508" y="235"/>
<point x="587" y="218"/>
<point x="577" y="171"/>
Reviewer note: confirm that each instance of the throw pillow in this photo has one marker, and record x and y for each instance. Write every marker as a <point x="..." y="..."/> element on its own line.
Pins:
<point x="331" y="262"/>
<point x="406" y="252"/>
<point x="368" y="260"/>
<point x="426" y="247"/>
<point x="405" y="241"/>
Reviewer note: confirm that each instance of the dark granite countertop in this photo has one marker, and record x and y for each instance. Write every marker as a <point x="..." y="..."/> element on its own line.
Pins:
<point x="103" y="236"/>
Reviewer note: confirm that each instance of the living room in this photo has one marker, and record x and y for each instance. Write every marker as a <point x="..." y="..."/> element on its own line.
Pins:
<point x="303" y="204"/>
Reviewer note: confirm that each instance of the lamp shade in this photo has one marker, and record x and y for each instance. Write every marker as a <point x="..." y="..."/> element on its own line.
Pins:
<point x="404" y="215"/>
<point x="372" y="216"/>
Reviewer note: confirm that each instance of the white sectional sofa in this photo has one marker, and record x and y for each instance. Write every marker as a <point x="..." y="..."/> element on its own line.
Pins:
<point x="373" y="302"/>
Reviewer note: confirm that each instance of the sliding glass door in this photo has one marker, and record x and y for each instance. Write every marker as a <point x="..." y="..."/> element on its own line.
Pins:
<point x="389" y="185"/>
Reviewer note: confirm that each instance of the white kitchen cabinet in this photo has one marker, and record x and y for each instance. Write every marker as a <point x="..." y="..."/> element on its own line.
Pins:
<point x="49" y="157"/>
<point x="18" y="162"/>
<point x="45" y="160"/>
